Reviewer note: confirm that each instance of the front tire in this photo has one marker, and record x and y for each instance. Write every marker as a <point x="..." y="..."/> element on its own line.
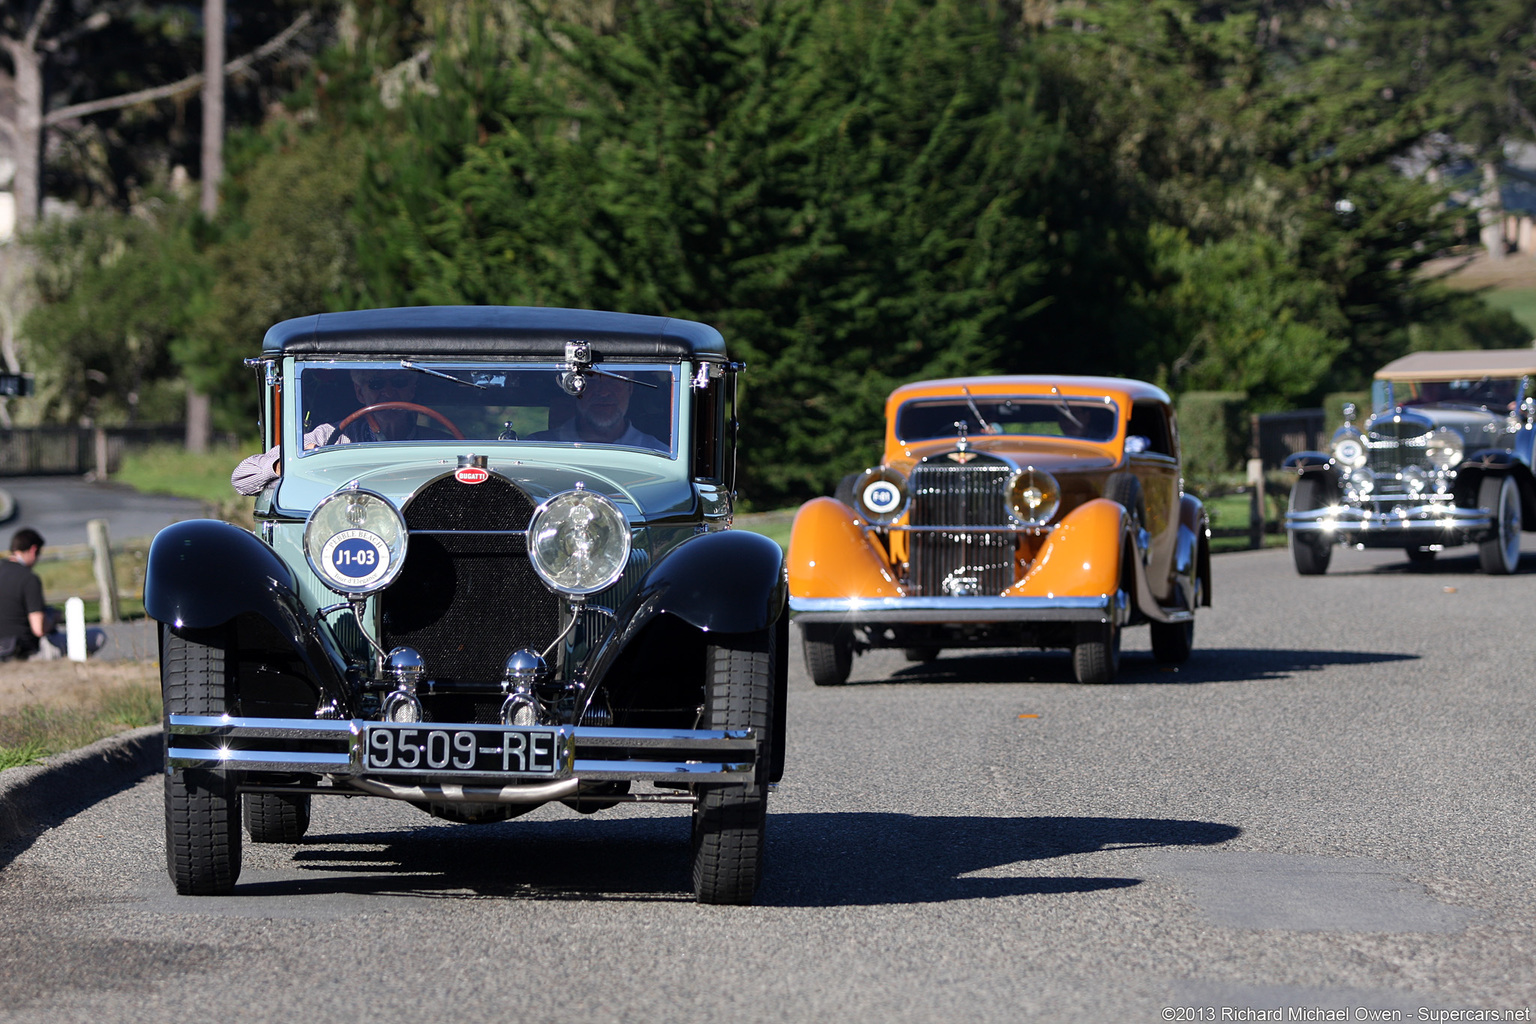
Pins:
<point x="1421" y="557"/>
<point x="1310" y="555"/>
<point x="1500" y="554"/>
<point x="729" y="820"/>
<point x="202" y="808"/>
<point x="828" y="655"/>
<point x="1096" y="654"/>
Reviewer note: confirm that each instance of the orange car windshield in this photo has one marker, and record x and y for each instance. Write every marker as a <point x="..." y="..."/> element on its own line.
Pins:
<point x="927" y="419"/>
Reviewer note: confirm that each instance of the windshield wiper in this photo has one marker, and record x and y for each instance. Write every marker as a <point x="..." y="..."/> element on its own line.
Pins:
<point x="406" y="364"/>
<point x="986" y="427"/>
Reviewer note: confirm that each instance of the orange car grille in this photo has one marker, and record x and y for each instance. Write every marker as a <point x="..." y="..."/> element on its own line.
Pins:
<point x="946" y="494"/>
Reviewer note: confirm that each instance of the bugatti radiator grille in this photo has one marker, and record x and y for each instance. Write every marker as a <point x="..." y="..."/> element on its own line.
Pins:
<point x="466" y="601"/>
<point x="960" y="564"/>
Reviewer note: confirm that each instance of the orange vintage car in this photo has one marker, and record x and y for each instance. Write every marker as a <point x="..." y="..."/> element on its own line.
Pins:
<point x="1007" y="512"/>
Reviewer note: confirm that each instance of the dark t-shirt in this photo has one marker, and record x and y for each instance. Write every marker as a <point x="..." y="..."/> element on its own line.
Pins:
<point x="21" y="593"/>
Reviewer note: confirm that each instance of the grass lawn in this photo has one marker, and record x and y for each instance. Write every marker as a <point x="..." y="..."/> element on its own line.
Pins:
<point x="1521" y="303"/>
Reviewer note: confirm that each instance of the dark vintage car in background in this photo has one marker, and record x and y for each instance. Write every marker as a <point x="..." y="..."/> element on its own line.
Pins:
<point x="1007" y="512"/>
<point x="495" y="572"/>
<point x="1443" y="459"/>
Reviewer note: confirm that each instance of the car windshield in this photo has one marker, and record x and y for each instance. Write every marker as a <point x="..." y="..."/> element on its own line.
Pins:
<point x="1497" y="393"/>
<point x="926" y="418"/>
<point x="621" y="404"/>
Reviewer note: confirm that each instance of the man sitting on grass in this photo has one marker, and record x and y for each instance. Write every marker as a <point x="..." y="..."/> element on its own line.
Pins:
<point x="26" y="624"/>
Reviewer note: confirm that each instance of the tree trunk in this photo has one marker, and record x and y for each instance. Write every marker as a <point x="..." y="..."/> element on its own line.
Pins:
<point x="199" y="408"/>
<point x="28" y="64"/>
<point x="213" y="104"/>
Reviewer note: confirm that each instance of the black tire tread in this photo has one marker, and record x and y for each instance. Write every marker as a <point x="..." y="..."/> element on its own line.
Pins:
<point x="276" y="817"/>
<point x="729" y="820"/>
<point x="202" y="808"/>
<point x="1309" y="557"/>
<point x="1490" y="553"/>
<point x="1173" y="642"/>
<point x="828" y="657"/>
<point x="1096" y="654"/>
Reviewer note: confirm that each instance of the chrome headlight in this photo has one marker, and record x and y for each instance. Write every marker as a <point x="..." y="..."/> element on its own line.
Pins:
<point x="1349" y="451"/>
<point x="1444" y="449"/>
<point x="880" y="495"/>
<point x="578" y="542"/>
<point x="1362" y="481"/>
<point x="355" y="542"/>
<point x="1415" y="479"/>
<point x="1033" y="497"/>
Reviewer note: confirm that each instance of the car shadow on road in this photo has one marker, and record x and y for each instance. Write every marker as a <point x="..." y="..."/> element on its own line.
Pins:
<point x="1206" y="665"/>
<point x="822" y="859"/>
<point x="1462" y="563"/>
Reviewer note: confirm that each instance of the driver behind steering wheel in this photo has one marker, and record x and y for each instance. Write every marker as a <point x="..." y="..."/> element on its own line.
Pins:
<point x="371" y="387"/>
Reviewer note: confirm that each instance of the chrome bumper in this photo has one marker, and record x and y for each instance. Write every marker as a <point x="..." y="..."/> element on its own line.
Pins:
<point x="873" y="611"/>
<point x="584" y="753"/>
<point x="1348" y="521"/>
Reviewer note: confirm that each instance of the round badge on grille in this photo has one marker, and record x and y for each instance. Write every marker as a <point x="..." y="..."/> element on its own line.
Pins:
<point x="356" y="557"/>
<point x="882" y="497"/>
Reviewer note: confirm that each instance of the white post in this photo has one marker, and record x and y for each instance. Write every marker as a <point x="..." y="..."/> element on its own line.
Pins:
<point x="74" y="628"/>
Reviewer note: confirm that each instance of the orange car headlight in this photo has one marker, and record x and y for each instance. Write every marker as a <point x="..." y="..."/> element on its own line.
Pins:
<point x="880" y="495"/>
<point x="1033" y="497"/>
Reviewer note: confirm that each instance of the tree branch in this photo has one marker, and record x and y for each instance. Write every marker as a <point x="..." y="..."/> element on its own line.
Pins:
<point x="189" y="84"/>
<point x="44" y="12"/>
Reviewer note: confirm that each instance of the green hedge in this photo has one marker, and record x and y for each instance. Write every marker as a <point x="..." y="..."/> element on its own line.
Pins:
<point x="1213" y="432"/>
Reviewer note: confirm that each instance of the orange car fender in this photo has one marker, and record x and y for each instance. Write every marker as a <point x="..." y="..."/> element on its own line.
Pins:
<point x="829" y="555"/>
<point x="1081" y="557"/>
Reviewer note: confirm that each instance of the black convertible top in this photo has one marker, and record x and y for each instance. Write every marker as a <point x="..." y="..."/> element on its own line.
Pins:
<point x="493" y="331"/>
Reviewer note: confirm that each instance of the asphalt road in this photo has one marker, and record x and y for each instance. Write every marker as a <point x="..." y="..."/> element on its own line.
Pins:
<point x="1329" y="807"/>
<point x="58" y="507"/>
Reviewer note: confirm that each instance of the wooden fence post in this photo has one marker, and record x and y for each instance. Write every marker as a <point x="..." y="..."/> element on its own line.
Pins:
<point x="1256" y="503"/>
<point x="106" y="579"/>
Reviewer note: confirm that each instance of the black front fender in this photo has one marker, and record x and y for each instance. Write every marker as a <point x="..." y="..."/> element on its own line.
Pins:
<point x="204" y="573"/>
<point x="727" y="582"/>
<point x="1308" y="462"/>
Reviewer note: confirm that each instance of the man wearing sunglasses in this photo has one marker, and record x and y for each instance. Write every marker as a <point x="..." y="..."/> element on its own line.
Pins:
<point x="371" y="387"/>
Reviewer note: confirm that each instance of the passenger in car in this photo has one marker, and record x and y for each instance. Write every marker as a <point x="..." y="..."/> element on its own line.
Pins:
<point x="602" y="417"/>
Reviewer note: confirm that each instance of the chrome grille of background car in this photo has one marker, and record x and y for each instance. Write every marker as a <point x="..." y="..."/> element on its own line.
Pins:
<point x="945" y="493"/>
<point x="466" y="600"/>
<point x="1387" y="456"/>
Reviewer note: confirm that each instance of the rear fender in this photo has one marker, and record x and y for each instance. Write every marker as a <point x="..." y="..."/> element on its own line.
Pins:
<point x="1191" y="559"/>
<point x="203" y="573"/>
<point x="830" y="555"/>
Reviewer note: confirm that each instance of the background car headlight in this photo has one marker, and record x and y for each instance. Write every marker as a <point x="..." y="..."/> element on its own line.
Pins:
<point x="1444" y="449"/>
<point x="578" y="542"/>
<point x="880" y="495"/>
<point x="355" y="541"/>
<point x="1349" y="450"/>
<point x="1033" y="497"/>
<point x="1362" y="481"/>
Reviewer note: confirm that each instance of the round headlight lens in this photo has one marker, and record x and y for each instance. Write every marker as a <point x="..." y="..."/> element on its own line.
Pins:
<point x="355" y="541"/>
<point x="578" y="542"/>
<point x="1033" y="497"/>
<point x="1415" y="479"/>
<point x="1349" y="450"/>
<point x="880" y="495"/>
<point x="1362" y="481"/>
<point x="1444" y="449"/>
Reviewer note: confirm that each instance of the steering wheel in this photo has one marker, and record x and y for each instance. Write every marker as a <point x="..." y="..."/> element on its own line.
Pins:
<point x="409" y="407"/>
